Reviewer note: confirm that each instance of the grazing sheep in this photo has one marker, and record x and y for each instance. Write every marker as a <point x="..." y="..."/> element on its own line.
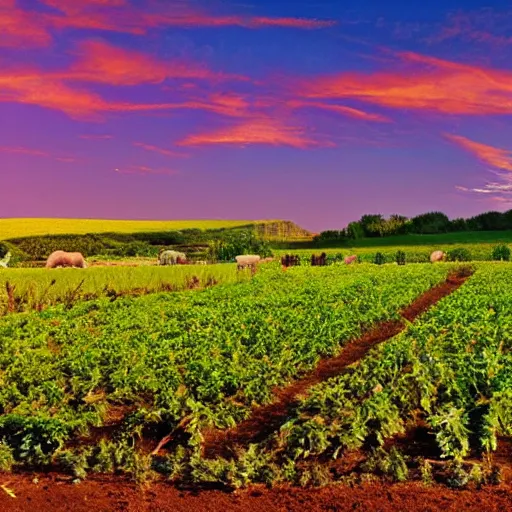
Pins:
<point x="201" y="262"/>
<point x="350" y="259"/>
<point x="171" y="258"/>
<point x="437" y="256"/>
<point x="5" y="260"/>
<point x="267" y="260"/>
<point x="247" y="260"/>
<point x="65" y="259"/>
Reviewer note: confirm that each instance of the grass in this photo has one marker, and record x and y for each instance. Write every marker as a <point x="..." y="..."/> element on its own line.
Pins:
<point x="33" y="288"/>
<point x="463" y="237"/>
<point x="17" y="228"/>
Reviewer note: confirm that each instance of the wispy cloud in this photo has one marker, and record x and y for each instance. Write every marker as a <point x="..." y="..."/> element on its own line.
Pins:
<point x="102" y="62"/>
<point x="162" y="151"/>
<point x="21" y="150"/>
<point x="496" y="157"/>
<point x="485" y="26"/>
<point x="257" y="131"/>
<point x="339" y="109"/>
<point x="426" y="83"/>
<point x="499" y="159"/>
<point x="123" y="16"/>
<point x="144" y="170"/>
<point x="92" y="136"/>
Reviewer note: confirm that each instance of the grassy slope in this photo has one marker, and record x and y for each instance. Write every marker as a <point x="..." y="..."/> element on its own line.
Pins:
<point x="13" y="228"/>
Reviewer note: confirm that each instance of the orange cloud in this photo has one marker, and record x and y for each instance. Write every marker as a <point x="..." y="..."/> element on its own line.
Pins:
<point x="162" y="151"/>
<point x="20" y="28"/>
<point x="496" y="157"/>
<point x="256" y="131"/>
<point x="90" y="14"/>
<point x="430" y="84"/>
<point x="105" y="63"/>
<point x="340" y="109"/>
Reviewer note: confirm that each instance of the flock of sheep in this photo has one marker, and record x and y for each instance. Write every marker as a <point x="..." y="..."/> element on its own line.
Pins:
<point x="168" y="257"/>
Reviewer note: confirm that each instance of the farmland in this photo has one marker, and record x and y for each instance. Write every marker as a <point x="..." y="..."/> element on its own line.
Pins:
<point x="13" y="228"/>
<point x="208" y="356"/>
<point x="26" y="289"/>
<point x="195" y="386"/>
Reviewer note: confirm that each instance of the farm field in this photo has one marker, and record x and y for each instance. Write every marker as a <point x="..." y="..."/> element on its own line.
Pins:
<point x="456" y="237"/>
<point x="23" y="227"/>
<point x="163" y="386"/>
<point x="414" y="253"/>
<point x="207" y="356"/>
<point x="26" y="289"/>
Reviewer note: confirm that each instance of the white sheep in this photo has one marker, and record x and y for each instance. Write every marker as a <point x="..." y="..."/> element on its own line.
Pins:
<point x="247" y="260"/>
<point x="171" y="257"/>
<point x="437" y="256"/>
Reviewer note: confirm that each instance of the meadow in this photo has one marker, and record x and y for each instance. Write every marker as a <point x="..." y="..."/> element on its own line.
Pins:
<point x="26" y="289"/>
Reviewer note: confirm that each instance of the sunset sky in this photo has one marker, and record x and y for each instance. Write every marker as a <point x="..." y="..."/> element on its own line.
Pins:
<point x="315" y="111"/>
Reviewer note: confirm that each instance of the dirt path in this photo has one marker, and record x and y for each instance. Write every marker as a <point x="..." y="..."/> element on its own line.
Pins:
<point x="54" y="494"/>
<point x="267" y="419"/>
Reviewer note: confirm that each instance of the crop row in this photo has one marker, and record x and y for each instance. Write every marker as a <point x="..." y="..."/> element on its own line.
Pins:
<point x="209" y="355"/>
<point x="451" y="371"/>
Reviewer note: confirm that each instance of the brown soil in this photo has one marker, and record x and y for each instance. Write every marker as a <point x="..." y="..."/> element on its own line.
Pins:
<point x="55" y="494"/>
<point x="268" y="418"/>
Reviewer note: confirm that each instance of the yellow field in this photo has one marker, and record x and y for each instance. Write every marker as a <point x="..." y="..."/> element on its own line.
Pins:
<point x="15" y="228"/>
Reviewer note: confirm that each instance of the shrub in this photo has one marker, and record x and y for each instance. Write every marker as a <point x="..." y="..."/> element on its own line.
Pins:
<point x="379" y="259"/>
<point x="501" y="253"/>
<point x="458" y="254"/>
<point x="400" y="257"/>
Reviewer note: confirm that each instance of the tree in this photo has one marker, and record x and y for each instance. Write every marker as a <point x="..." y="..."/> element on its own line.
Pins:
<point x="430" y="223"/>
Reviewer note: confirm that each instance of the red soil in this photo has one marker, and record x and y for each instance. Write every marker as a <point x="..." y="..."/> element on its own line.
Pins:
<point x="56" y="494"/>
<point x="268" y="418"/>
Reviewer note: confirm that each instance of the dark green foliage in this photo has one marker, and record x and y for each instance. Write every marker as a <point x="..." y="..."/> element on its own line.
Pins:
<point x="458" y="254"/>
<point x="355" y="231"/>
<point x="379" y="259"/>
<point x="331" y="236"/>
<point x="430" y="223"/>
<point x="501" y="253"/>
<point x="458" y="224"/>
<point x="400" y="257"/>
<point x="488" y="221"/>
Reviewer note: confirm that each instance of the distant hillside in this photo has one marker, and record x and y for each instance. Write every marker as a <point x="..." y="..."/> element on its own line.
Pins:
<point x="283" y="230"/>
<point x="24" y="228"/>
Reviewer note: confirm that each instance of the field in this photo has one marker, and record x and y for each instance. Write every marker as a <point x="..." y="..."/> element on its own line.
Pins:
<point x="26" y="289"/>
<point x="15" y="228"/>
<point x="363" y="375"/>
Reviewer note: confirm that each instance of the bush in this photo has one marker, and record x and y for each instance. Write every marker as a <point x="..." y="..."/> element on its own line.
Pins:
<point x="400" y="257"/>
<point x="458" y="254"/>
<point x="501" y="253"/>
<point x="379" y="259"/>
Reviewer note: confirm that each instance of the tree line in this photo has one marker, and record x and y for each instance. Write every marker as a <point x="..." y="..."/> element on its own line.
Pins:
<point x="376" y="225"/>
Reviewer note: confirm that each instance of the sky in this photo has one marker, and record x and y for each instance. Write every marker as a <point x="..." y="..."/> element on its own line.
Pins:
<point x="315" y="111"/>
